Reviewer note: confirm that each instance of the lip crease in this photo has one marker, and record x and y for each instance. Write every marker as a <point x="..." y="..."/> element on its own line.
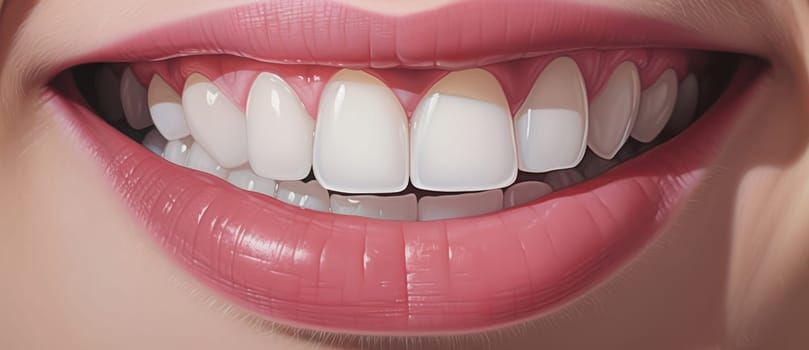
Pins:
<point x="363" y="276"/>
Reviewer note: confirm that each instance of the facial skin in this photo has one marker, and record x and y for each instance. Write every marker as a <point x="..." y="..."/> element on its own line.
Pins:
<point x="78" y="272"/>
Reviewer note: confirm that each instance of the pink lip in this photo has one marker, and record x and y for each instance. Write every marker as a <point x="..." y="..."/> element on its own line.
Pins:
<point x="352" y="274"/>
<point x="469" y="33"/>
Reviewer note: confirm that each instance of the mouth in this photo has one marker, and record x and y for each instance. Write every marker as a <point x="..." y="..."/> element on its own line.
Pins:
<point x="447" y="171"/>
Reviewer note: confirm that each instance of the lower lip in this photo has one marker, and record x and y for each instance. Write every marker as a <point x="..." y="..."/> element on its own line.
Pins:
<point x="340" y="273"/>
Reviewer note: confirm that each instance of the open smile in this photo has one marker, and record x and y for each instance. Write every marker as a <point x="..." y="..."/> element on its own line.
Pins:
<point x="448" y="171"/>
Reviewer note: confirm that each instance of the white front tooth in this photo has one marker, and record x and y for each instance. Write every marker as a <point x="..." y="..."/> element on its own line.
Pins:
<point x="614" y="111"/>
<point x="166" y="107"/>
<point x="459" y="206"/>
<point x="155" y="142"/>
<point x="305" y="195"/>
<point x="561" y="179"/>
<point x="551" y="126"/>
<point x="216" y="124"/>
<point x="361" y="137"/>
<point x="134" y="101"/>
<point x="525" y="192"/>
<point x="108" y="89"/>
<point x="279" y="130"/>
<point x="402" y="208"/>
<point x="247" y="180"/>
<point x="177" y="151"/>
<point x="199" y="159"/>
<point x="462" y="136"/>
<point x="656" y="105"/>
<point x="686" y="107"/>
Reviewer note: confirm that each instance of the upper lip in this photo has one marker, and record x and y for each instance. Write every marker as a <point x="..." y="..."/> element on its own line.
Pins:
<point x="463" y="34"/>
<point x="345" y="273"/>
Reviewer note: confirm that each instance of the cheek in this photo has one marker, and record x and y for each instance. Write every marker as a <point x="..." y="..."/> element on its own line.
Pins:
<point x="69" y="245"/>
<point x="769" y="245"/>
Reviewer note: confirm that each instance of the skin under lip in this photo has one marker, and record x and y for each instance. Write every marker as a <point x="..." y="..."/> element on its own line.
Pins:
<point x="341" y="273"/>
<point x="353" y="274"/>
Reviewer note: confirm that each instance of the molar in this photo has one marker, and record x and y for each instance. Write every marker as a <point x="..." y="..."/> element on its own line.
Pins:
<point x="685" y="108"/>
<point x="108" y="89"/>
<point x="134" y="101"/>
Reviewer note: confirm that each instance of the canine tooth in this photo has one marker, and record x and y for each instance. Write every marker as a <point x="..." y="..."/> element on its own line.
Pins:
<point x="551" y="126"/>
<point x="525" y="192"/>
<point x="108" y="89"/>
<point x="279" y="130"/>
<point x="614" y="111"/>
<point x="656" y="106"/>
<point x="134" y="101"/>
<point x="166" y="107"/>
<point x="305" y="195"/>
<point x="402" y="208"/>
<point x="216" y="124"/>
<point x="462" y="136"/>
<point x="685" y="108"/>
<point x="199" y="159"/>
<point x="361" y="137"/>
<point x="247" y="180"/>
<point x="155" y="142"/>
<point x="561" y="179"/>
<point x="177" y="151"/>
<point x="459" y="206"/>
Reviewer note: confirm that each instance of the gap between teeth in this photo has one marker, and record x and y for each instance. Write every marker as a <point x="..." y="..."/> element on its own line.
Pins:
<point x="461" y="137"/>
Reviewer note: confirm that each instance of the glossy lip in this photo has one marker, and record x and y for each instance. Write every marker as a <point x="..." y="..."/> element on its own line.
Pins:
<point x="340" y="273"/>
<point x="465" y="34"/>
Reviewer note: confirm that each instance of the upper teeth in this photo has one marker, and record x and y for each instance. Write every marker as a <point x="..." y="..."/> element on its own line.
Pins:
<point x="216" y="124"/>
<point x="134" y="101"/>
<point x="461" y="137"/>
<point x="361" y="142"/>
<point x="657" y="103"/>
<point x="166" y="107"/>
<point x="614" y="111"/>
<point x="279" y="130"/>
<point x="685" y="105"/>
<point x="552" y="124"/>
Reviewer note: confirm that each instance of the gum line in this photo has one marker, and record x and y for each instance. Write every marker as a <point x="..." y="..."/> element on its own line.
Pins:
<point x="234" y="75"/>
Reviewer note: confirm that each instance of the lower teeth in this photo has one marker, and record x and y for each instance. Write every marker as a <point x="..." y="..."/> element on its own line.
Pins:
<point x="410" y="205"/>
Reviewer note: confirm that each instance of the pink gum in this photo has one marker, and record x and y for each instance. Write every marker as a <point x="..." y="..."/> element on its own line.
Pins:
<point x="235" y="75"/>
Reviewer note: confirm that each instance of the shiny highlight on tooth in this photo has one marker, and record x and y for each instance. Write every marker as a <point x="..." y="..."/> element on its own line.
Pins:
<point x="461" y="138"/>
